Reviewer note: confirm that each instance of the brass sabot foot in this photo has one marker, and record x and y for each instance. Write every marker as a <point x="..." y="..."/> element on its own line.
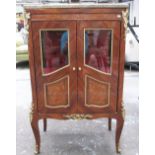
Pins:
<point x="118" y="150"/>
<point x="37" y="151"/>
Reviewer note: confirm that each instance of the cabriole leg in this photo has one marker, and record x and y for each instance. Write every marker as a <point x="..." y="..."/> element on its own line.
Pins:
<point x="119" y="127"/>
<point x="35" y="129"/>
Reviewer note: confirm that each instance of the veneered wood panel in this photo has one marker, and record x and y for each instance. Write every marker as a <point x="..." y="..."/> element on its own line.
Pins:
<point x="76" y="17"/>
<point x="32" y="69"/>
<point x="97" y="93"/>
<point x="57" y="93"/>
<point x="121" y="67"/>
<point x="75" y="10"/>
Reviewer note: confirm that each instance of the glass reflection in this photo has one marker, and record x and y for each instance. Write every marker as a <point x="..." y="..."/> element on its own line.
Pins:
<point x="98" y="49"/>
<point x="54" y="50"/>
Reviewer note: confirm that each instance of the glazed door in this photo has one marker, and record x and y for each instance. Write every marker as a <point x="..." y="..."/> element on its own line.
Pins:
<point x="98" y="57"/>
<point x="55" y="65"/>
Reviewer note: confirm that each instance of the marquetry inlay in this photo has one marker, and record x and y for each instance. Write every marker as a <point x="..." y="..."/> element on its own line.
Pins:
<point x="57" y="93"/>
<point x="97" y="93"/>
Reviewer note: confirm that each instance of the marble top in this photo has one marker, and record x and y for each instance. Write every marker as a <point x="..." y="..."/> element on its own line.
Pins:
<point x="75" y="5"/>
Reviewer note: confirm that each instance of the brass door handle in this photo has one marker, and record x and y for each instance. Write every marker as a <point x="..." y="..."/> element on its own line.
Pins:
<point x="74" y="68"/>
<point x="80" y="68"/>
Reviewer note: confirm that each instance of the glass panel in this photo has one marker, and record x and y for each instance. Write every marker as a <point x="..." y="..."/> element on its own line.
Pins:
<point x="54" y="49"/>
<point x="98" y="49"/>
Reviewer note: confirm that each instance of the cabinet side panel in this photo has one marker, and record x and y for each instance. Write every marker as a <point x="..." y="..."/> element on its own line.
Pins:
<point x="32" y="67"/>
<point x="121" y="67"/>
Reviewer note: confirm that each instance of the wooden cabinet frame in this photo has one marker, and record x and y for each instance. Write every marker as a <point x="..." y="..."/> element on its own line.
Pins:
<point x="76" y="20"/>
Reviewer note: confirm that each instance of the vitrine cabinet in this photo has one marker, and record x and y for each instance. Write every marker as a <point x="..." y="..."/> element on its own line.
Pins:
<point x="76" y="56"/>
